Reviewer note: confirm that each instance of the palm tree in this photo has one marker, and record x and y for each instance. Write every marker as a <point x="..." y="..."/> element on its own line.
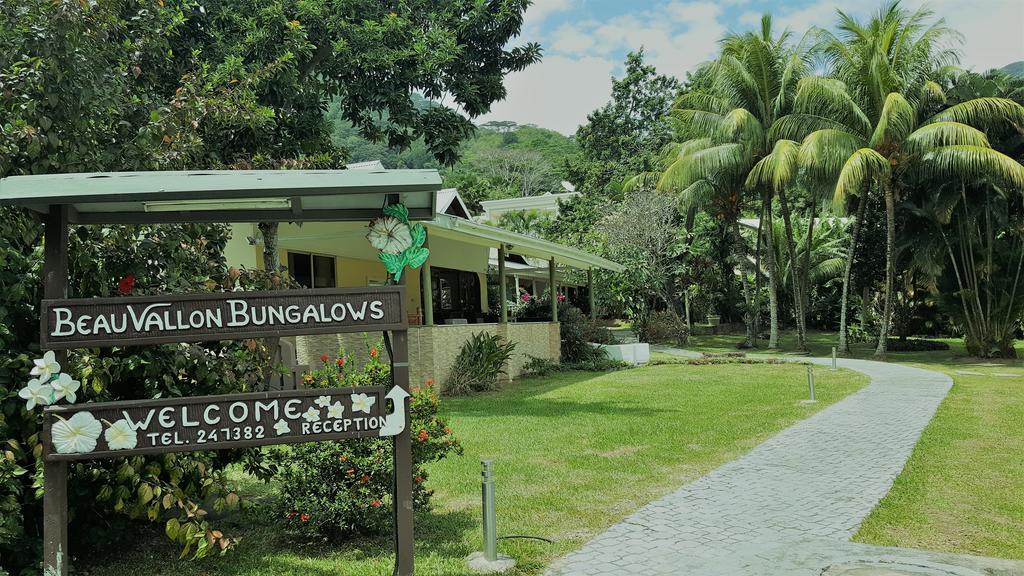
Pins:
<point x="727" y="128"/>
<point x="868" y="128"/>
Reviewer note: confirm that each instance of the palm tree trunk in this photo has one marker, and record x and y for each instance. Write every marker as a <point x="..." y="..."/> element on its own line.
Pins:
<point x="890" y="267"/>
<point x="791" y="248"/>
<point x="773" y="284"/>
<point x="805" y="267"/>
<point x="741" y="257"/>
<point x="844" y="343"/>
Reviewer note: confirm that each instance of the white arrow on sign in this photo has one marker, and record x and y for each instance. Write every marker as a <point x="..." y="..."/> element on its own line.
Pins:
<point x="394" y="423"/>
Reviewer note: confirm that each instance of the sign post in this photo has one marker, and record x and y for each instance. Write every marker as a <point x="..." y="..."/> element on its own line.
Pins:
<point x="119" y="429"/>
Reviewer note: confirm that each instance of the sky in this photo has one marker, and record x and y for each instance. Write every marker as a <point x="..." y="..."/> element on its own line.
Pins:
<point x="585" y="42"/>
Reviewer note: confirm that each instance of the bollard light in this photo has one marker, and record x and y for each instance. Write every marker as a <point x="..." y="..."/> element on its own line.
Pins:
<point x="833" y="358"/>
<point x="810" y="382"/>
<point x="489" y="511"/>
<point x="489" y="561"/>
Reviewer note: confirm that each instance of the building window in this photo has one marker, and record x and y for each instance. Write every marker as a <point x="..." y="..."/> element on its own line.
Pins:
<point x="312" y="270"/>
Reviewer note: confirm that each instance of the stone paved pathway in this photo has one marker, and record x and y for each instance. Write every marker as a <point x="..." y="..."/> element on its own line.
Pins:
<point x="789" y="506"/>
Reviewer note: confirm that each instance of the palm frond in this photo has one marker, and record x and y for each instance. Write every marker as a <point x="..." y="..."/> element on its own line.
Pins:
<point x="798" y="126"/>
<point x="983" y="113"/>
<point x="823" y="152"/>
<point x="777" y="169"/>
<point x="941" y="134"/>
<point x="895" y="123"/>
<point x="709" y="163"/>
<point x="862" y="166"/>
<point x="967" y="163"/>
<point x="829" y="98"/>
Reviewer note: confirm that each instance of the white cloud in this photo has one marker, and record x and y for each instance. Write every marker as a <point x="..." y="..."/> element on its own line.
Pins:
<point x="538" y="12"/>
<point x="557" y="93"/>
<point x="991" y="29"/>
<point x="568" y="39"/>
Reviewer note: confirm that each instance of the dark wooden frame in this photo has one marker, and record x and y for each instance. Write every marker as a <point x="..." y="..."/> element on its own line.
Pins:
<point x="56" y="557"/>
<point x="227" y="333"/>
<point x="52" y="412"/>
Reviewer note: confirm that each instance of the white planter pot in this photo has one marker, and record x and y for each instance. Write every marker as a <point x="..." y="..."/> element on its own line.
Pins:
<point x="630" y="353"/>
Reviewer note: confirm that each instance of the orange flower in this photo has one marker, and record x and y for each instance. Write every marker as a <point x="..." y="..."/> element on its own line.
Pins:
<point x="364" y="479"/>
<point x="430" y="381"/>
<point x="418" y="479"/>
<point x="304" y="517"/>
<point x="323" y="357"/>
<point x="375" y="503"/>
<point x="343" y="458"/>
<point x="373" y="352"/>
<point x="341" y="361"/>
<point x="423" y="436"/>
<point x="447" y="430"/>
<point x="350" y="472"/>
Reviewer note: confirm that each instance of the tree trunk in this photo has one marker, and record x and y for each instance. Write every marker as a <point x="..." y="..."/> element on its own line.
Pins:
<point x="844" y="342"/>
<point x="740" y="252"/>
<point x="805" y="269"/>
<point x="773" y="282"/>
<point x="890" y="267"/>
<point x="272" y="264"/>
<point x="798" y="306"/>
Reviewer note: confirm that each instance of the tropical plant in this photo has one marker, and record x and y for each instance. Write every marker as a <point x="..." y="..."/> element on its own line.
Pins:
<point x="869" y="127"/>
<point x="726" y="128"/>
<point x="480" y="361"/>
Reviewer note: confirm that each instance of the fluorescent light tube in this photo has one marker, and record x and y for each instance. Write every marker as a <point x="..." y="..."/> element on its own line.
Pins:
<point x="225" y="204"/>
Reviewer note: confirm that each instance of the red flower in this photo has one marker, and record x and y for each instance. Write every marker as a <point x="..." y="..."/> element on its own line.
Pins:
<point x="561" y="297"/>
<point x="341" y="362"/>
<point x="423" y="436"/>
<point x="292" y="514"/>
<point x="418" y="479"/>
<point x="447" y="430"/>
<point x="304" y="517"/>
<point x="323" y="357"/>
<point x="126" y="285"/>
<point x="375" y="503"/>
<point x="364" y="479"/>
<point x="525" y="297"/>
<point x="374" y="352"/>
<point x="430" y="381"/>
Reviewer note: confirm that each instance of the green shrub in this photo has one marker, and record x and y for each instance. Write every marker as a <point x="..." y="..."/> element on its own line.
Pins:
<point x="543" y="367"/>
<point x="577" y="331"/>
<point x="857" y="334"/>
<point x="345" y="487"/>
<point x="665" y="326"/>
<point x="480" y="361"/>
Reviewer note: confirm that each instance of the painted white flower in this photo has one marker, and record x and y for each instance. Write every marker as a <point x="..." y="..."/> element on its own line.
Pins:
<point x="362" y="402"/>
<point x="311" y="415"/>
<point x="322" y="401"/>
<point x="46" y="366"/>
<point x="389" y="235"/>
<point x="121" y="436"/>
<point x="337" y="410"/>
<point x="282" y="428"/>
<point x="76" y="434"/>
<point x="65" y="387"/>
<point x="36" y="393"/>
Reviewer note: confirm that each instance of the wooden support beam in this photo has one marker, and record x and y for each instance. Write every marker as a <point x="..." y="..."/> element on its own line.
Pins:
<point x="56" y="558"/>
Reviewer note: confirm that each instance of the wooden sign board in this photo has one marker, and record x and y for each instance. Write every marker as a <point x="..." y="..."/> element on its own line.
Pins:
<point x="119" y="429"/>
<point x="94" y="322"/>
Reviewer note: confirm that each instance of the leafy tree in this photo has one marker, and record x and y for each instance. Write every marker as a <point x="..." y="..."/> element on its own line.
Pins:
<point x="624" y="137"/>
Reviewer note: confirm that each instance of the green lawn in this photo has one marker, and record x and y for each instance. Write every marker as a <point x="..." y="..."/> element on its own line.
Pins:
<point x="575" y="453"/>
<point x="963" y="488"/>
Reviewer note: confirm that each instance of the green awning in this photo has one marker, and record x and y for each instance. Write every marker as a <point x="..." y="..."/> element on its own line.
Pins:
<point x="225" y="195"/>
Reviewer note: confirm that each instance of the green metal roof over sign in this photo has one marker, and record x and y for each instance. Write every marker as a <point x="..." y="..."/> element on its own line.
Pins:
<point x="225" y="195"/>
